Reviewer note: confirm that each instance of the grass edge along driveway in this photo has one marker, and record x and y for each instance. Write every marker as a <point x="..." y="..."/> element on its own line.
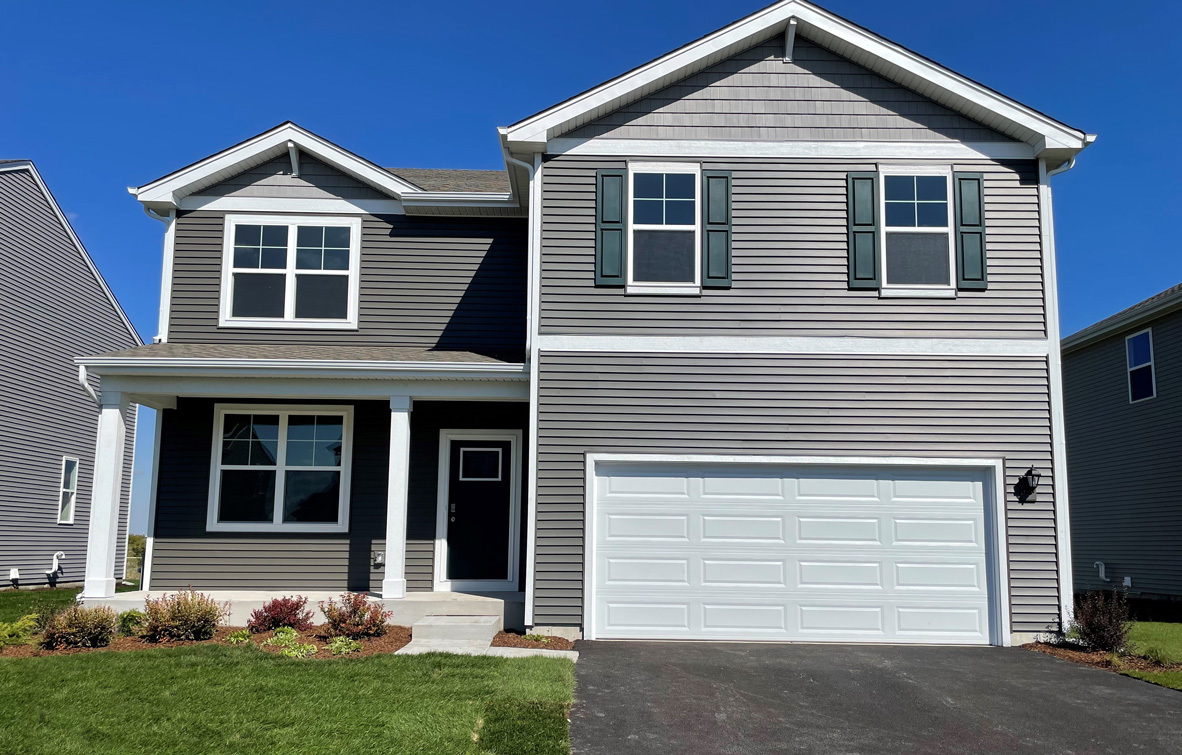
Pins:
<point x="1163" y="641"/>
<point x="211" y="698"/>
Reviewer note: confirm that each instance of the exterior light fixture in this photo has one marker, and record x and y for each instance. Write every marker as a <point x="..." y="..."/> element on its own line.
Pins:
<point x="1026" y="486"/>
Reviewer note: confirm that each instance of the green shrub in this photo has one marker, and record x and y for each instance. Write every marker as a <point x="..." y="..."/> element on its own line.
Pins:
<point x="343" y="645"/>
<point x="131" y="622"/>
<point x="1102" y="620"/>
<point x="239" y="637"/>
<point x="296" y="650"/>
<point x="355" y="617"/>
<point x="80" y="627"/>
<point x="45" y="609"/>
<point x="17" y="632"/>
<point x="187" y="615"/>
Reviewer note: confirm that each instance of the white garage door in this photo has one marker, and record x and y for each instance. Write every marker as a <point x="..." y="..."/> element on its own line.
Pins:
<point x="827" y="554"/>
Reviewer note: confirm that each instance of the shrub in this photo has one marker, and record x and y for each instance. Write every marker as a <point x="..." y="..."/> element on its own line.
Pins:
<point x="296" y="650"/>
<point x="80" y="627"/>
<point x="240" y="637"/>
<point x="355" y="617"/>
<point x="343" y="645"/>
<point x="281" y="612"/>
<point x="17" y="632"/>
<point x="1102" y="620"/>
<point x="131" y="622"/>
<point x="44" y="610"/>
<point x="186" y="615"/>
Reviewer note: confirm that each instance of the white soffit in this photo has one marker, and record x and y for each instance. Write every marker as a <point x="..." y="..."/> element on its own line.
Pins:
<point x="844" y="38"/>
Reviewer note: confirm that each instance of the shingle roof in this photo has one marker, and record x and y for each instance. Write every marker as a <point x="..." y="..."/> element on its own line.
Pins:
<point x="309" y="353"/>
<point x="1155" y="305"/>
<point x="444" y="179"/>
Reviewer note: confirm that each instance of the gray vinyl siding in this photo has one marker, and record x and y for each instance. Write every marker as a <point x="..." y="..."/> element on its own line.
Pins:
<point x="790" y="261"/>
<point x="185" y="554"/>
<point x="447" y="283"/>
<point x="274" y="180"/>
<point x="53" y="311"/>
<point x="756" y="96"/>
<point x="1123" y="461"/>
<point x="792" y="405"/>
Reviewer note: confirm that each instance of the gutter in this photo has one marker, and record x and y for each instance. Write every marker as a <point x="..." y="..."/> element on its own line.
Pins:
<point x="324" y="368"/>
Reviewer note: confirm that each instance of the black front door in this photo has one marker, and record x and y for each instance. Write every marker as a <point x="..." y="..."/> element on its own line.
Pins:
<point x="479" y="509"/>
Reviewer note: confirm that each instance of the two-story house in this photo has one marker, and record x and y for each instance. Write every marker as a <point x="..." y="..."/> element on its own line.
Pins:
<point x="757" y="340"/>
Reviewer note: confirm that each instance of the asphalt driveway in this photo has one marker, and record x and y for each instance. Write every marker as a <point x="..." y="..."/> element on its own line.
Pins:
<point x="650" y="697"/>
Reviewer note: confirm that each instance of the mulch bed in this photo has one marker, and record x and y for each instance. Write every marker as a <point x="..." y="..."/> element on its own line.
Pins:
<point x="515" y="640"/>
<point x="1100" y="659"/>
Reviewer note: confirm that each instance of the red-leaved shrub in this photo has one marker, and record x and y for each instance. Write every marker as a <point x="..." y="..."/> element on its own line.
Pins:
<point x="80" y="627"/>
<point x="281" y="612"/>
<point x="355" y="617"/>
<point x="1102" y="619"/>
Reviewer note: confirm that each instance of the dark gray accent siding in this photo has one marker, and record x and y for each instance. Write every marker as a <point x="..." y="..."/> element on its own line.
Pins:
<point x="185" y="554"/>
<point x="756" y="96"/>
<point x="792" y="405"/>
<point x="446" y="283"/>
<point x="52" y="309"/>
<point x="1124" y="462"/>
<point x="273" y="179"/>
<point x="790" y="261"/>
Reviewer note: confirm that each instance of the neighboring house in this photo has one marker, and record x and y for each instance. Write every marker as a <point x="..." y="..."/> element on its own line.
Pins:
<point x="751" y="342"/>
<point x="54" y="305"/>
<point x="1122" y="388"/>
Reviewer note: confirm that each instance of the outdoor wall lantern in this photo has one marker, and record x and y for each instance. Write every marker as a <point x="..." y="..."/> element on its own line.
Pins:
<point x="1026" y="485"/>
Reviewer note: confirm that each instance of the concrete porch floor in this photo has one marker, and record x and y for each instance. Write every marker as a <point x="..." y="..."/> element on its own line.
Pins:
<point x="509" y="608"/>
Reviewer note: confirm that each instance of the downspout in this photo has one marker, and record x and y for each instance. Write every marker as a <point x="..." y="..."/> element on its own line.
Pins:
<point x="86" y="386"/>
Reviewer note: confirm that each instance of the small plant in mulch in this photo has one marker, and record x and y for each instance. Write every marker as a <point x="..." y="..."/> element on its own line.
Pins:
<point x="355" y="617"/>
<point x="80" y="627"/>
<point x="131" y="622"/>
<point x="19" y="632"/>
<point x="538" y="638"/>
<point x="187" y="615"/>
<point x="343" y="645"/>
<point x="288" y="641"/>
<point x="281" y="612"/>
<point x="1101" y="620"/>
<point x="239" y="637"/>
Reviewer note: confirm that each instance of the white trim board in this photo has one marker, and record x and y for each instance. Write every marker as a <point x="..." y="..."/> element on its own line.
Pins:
<point x="799" y="345"/>
<point x="331" y="368"/>
<point x="534" y="316"/>
<point x="156" y="390"/>
<point x="998" y="571"/>
<point x="852" y="150"/>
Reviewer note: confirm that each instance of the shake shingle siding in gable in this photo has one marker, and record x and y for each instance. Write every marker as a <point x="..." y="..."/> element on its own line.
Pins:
<point x="1123" y="458"/>
<point x="790" y="261"/>
<point x="791" y="405"/>
<point x="53" y="310"/>
<point x="448" y="283"/>
<point x="756" y="96"/>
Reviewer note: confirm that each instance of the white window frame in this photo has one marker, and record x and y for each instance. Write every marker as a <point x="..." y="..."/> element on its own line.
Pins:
<point x="1150" y="364"/>
<point x="293" y="222"/>
<point x="63" y="489"/>
<point x="277" y="524"/>
<point x="916" y="290"/>
<point x="656" y="287"/>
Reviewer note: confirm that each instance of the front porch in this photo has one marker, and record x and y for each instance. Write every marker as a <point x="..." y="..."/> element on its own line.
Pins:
<point x="313" y="477"/>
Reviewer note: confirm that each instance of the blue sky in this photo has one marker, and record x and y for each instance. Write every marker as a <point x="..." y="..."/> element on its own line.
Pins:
<point x="108" y="95"/>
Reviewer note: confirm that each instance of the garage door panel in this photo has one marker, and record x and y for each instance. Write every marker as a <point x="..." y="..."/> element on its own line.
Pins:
<point x="885" y="556"/>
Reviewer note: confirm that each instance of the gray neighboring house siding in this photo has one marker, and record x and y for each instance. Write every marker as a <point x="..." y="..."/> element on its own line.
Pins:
<point x="790" y="261"/>
<point x="185" y="554"/>
<point x="54" y="309"/>
<point x="756" y="96"/>
<point x="1125" y="463"/>
<point x="792" y="405"/>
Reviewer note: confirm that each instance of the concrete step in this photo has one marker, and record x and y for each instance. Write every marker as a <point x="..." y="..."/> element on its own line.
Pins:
<point x="464" y="629"/>
<point x="416" y="606"/>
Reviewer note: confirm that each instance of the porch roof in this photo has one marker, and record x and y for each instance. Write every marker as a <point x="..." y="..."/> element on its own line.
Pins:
<point x="298" y="353"/>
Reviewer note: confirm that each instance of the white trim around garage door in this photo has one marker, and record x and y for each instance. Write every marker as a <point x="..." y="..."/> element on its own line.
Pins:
<point x="998" y="582"/>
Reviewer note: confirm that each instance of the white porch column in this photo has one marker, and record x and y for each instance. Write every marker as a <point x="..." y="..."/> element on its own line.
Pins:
<point x="104" y="498"/>
<point x="394" y="583"/>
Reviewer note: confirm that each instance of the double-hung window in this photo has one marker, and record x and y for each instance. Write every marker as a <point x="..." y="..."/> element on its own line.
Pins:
<point x="664" y="224"/>
<point x="1139" y="359"/>
<point x="68" y="493"/>
<point x="280" y="468"/>
<point x="918" y="247"/>
<point x="285" y="272"/>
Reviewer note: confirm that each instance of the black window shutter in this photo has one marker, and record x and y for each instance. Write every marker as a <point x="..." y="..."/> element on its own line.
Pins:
<point x="716" y="229"/>
<point x="971" y="274"/>
<point x="862" y="205"/>
<point x="611" y="209"/>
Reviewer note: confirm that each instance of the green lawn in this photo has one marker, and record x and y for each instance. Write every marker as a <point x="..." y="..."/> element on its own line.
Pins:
<point x="17" y="603"/>
<point x="1160" y="641"/>
<point x="213" y="698"/>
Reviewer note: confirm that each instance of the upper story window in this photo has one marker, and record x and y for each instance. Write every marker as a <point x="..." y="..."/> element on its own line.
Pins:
<point x="280" y="468"/>
<point x="664" y="225"/>
<point x="69" y="491"/>
<point x="281" y="271"/>
<point x="1139" y="356"/>
<point x="917" y="243"/>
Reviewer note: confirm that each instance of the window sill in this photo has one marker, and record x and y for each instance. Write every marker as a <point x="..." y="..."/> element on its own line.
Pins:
<point x="278" y="529"/>
<point x="664" y="290"/>
<point x="917" y="293"/>
<point x="279" y="324"/>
